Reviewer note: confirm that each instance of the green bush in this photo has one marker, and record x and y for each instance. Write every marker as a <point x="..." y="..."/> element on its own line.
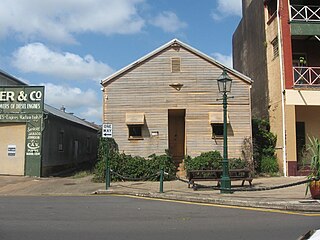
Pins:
<point x="269" y="164"/>
<point x="134" y="167"/>
<point x="264" y="142"/>
<point x="207" y="160"/>
<point x="237" y="163"/>
<point x="210" y="161"/>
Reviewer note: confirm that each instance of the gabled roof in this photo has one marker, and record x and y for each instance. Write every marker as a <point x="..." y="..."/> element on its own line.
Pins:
<point x="174" y="42"/>
<point x="68" y="116"/>
<point x="12" y="78"/>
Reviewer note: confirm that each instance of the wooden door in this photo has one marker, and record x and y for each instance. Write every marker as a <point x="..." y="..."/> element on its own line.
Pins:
<point x="176" y="131"/>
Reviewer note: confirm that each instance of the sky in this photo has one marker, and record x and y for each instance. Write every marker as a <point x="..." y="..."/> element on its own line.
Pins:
<point x="69" y="46"/>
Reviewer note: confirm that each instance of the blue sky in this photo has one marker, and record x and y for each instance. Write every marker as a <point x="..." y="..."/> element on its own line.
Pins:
<point x="70" y="45"/>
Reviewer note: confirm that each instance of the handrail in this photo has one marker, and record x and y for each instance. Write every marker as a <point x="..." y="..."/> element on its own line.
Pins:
<point x="305" y="13"/>
<point x="306" y="76"/>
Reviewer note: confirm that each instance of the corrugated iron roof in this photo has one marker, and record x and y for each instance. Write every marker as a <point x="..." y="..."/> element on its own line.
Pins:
<point x="69" y="116"/>
<point x="7" y="75"/>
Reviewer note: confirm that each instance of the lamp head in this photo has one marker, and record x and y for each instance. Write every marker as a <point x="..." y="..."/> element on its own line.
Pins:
<point x="224" y="82"/>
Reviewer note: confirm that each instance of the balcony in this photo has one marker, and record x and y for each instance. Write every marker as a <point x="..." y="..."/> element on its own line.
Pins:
<point x="306" y="76"/>
<point x="302" y="13"/>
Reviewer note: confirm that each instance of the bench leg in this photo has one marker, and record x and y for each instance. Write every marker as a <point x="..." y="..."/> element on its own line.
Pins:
<point x="191" y="182"/>
<point x="250" y="183"/>
<point x="242" y="183"/>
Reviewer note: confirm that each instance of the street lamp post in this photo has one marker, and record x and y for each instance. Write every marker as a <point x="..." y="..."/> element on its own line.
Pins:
<point x="224" y="85"/>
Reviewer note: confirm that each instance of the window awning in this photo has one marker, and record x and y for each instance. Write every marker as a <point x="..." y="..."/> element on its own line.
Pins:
<point x="134" y="118"/>
<point x="217" y="117"/>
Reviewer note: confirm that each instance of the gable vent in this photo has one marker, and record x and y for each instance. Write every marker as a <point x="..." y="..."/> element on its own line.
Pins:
<point x="175" y="64"/>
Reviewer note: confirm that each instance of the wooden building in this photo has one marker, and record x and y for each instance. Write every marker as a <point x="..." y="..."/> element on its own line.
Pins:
<point x="167" y="100"/>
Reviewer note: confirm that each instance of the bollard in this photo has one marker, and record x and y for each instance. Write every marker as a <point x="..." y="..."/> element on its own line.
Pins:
<point x="161" y="180"/>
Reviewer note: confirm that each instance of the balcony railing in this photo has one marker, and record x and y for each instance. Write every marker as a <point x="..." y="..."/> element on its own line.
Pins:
<point x="306" y="76"/>
<point x="304" y="13"/>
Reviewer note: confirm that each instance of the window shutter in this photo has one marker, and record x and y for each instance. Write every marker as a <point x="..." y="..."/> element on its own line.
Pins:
<point x="175" y="65"/>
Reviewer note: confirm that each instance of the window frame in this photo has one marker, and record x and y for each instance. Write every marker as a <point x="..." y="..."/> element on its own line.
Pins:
<point x="131" y="128"/>
<point x="61" y="141"/>
<point x="217" y="127"/>
<point x="175" y="64"/>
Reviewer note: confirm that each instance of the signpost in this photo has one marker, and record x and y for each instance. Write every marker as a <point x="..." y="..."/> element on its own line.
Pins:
<point x="107" y="133"/>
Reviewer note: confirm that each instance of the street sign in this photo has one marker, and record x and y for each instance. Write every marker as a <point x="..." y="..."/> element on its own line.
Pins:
<point x="107" y="130"/>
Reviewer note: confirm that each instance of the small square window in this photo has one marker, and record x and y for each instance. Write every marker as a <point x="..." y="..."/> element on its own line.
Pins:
<point x="135" y="131"/>
<point x="217" y="129"/>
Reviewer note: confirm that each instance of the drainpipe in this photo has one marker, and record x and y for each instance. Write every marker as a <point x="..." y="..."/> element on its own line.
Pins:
<point x="284" y="148"/>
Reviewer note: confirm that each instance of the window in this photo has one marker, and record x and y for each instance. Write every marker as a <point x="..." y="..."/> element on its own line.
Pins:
<point x="88" y="145"/>
<point x="60" y="140"/>
<point x="272" y="7"/>
<point x="135" y="131"/>
<point x="275" y="45"/>
<point x="175" y="65"/>
<point x="217" y="129"/>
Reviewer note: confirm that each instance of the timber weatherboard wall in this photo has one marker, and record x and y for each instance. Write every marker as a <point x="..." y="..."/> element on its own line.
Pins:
<point x="144" y="87"/>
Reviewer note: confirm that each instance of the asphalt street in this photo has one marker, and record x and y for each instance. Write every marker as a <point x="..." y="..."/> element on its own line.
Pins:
<point x="121" y="217"/>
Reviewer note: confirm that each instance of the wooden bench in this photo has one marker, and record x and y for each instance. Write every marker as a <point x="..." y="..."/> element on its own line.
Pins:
<point x="215" y="175"/>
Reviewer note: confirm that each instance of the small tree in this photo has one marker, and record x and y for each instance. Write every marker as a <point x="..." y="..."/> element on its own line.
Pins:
<point x="264" y="142"/>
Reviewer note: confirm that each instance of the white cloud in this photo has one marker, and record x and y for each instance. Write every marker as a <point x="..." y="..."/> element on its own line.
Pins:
<point x="37" y="58"/>
<point x="84" y="103"/>
<point x="168" y="22"/>
<point x="227" y="8"/>
<point x="93" y="114"/>
<point x="59" y="20"/>
<point x="224" y="59"/>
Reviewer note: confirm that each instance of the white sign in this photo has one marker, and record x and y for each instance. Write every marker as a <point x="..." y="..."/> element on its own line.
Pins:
<point x="12" y="150"/>
<point x="107" y="130"/>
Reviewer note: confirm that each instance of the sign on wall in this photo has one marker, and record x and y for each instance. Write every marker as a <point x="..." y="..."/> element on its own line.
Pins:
<point x="107" y="130"/>
<point x="25" y="104"/>
<point x="12" y="150"/>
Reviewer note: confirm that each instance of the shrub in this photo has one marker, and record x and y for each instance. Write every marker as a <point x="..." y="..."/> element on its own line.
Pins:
<point x="211" y="160"/>
<point x="264" y="142"/>
<point x="134" y="167"/>
<point x="206" y="160"/>
<point x="237" y="163"/>
<point x="269" y="164"/>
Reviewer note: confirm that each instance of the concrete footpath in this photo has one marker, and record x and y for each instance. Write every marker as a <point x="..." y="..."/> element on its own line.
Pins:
<point x="290" y="199"/>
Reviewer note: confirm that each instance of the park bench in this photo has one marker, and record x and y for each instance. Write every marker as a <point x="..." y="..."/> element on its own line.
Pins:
<point x="215" y="175"/>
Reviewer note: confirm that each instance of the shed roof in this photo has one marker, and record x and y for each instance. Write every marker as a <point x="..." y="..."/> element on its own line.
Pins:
<point x="8" y="76"/>
<point x="171" y="43"/>
<point x="69" y="116"/>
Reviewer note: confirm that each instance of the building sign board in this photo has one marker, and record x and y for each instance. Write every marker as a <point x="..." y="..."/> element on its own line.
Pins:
<point x="24" y="99"/>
